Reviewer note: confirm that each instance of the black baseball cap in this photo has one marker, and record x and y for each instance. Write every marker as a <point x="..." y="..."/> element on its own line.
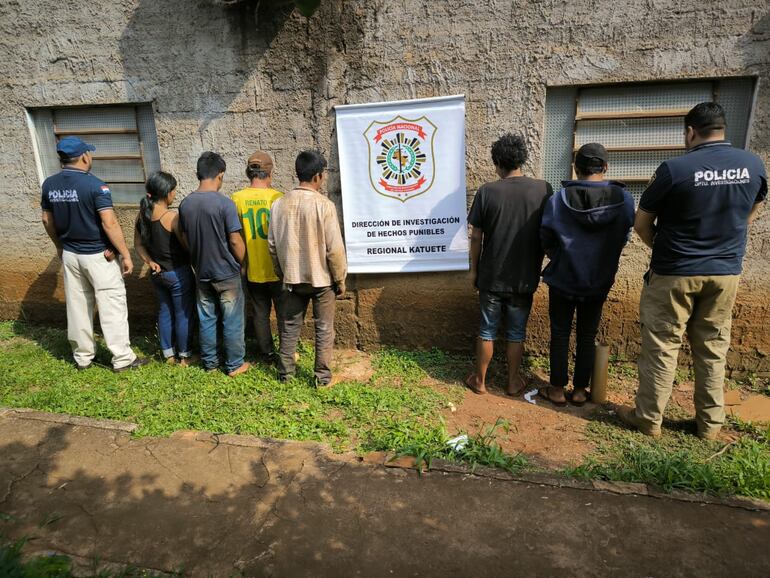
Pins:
<point x="590" y="152"/>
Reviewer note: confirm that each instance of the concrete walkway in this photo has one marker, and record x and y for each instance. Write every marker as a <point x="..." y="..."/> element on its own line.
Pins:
<point x="241" y="505"/>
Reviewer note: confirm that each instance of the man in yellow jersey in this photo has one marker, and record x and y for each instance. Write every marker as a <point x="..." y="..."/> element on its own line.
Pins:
<point x="254" y="204"/>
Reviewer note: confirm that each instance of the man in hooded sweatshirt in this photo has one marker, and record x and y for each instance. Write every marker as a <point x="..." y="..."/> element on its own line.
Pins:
<point x="584" y="229"/>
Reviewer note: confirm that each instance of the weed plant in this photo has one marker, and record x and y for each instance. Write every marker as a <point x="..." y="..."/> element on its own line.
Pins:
<point x="481" y="449"/>
<point x="14" y="565"/>
<point x="681" y="461"/>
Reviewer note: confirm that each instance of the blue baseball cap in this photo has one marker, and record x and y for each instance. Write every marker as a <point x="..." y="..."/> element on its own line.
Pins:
<point x="72" y="147"/>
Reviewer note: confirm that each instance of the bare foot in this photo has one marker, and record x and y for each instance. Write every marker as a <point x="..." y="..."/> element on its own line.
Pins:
<point x="579" y="396"/>
<point x="472" y="383"/>
<point x="553" y="394"/>
<point x="512" y="388"/>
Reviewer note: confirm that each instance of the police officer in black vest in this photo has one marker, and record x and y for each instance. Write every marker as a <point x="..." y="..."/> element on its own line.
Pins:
<point x="694" y="215"/>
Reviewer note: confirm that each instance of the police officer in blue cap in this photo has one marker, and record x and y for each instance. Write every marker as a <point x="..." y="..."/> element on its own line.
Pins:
<point x="79" y="218"/>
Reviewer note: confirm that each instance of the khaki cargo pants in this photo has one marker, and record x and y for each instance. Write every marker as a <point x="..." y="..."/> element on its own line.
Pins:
<point x="703" y="307"/>
<point x="89" y="280"/>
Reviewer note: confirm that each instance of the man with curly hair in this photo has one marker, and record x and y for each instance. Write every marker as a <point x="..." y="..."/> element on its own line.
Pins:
<point x="506" y="258"/>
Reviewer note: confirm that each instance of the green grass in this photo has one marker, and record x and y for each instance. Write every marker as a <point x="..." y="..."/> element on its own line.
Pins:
<point x="752" y="383"/>
<point x="398" y="410"/>
<point x="394" y="409"/>
<point x="14" y="565"/>
<point x="481" y="449"/>
<point x="680" y="460"/>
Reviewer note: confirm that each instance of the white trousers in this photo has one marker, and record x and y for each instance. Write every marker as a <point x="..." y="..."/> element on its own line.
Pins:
<point x="89" y="280"/>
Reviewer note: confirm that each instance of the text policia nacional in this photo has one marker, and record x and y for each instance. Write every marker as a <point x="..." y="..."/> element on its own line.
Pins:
<point x="406" y="228"/>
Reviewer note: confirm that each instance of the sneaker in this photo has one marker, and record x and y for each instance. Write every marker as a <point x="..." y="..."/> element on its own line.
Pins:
<point x="136" y="363"/>
<point x="628" y="416"/>
<point x="242" y="369"/>
<point x="83" y="367"/>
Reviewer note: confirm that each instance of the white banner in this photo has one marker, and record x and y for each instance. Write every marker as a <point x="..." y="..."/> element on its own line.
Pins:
<point x="402" y="166"/>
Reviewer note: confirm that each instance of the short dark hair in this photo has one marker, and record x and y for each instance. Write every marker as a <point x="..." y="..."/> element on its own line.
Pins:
<point x="587" y="167"/>
<point x="65" y="160"/>
<point x="509" y="152"/>
<point x="706" y="118"/>
<point x="256" y="173"/>
<point x="309" y="164"/>
<point x="210" y="165"/>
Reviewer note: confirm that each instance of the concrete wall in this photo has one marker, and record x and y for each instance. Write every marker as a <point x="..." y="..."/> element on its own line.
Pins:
<point x="231" y="80"/>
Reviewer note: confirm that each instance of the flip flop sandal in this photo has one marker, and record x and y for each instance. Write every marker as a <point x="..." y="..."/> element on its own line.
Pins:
<point x="469" y="383"/>
<point x="520" y="391"/>
<point x="543" y="393"/>
<point x="579" y="403"/>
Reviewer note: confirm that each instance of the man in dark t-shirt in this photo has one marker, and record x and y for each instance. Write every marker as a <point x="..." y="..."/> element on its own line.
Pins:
<point x="212" y="227"/>
<point x="506" y="257"/>
<point x="79" y="218"/>
<point x="694" y="215"/>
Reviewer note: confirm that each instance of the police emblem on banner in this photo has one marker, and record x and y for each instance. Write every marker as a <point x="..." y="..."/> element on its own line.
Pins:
<point x="401" y="160"/>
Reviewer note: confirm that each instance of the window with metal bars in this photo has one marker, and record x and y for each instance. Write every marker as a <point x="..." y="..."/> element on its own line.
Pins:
<point x="124" y="137"/>
<point x="640" y="125"/>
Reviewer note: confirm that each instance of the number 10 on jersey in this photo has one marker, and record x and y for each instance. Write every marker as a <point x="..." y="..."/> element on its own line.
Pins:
<point x="258" y="223"/>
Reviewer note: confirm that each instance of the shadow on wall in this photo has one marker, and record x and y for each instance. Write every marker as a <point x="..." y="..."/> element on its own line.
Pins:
<point x="43" y="301"/>
<point x="194" y="57"/>
<point x="754" y="43"/>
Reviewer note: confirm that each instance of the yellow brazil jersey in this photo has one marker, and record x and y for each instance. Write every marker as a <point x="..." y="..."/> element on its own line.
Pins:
<point x="254" y="208"/>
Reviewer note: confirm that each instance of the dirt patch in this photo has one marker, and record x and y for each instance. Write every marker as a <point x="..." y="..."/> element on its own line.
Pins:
<point x="551" y="436"/>
<point x="352" y="365"/>
<point x="754" y="408"/>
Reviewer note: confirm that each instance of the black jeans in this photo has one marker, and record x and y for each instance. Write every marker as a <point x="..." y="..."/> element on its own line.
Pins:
<point x="561" y="310"/>
<point x="294" y="302"/>
<point x="263" y="297"/>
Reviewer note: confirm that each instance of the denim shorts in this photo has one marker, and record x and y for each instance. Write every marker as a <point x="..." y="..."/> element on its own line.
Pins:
<point x="513" y="307"/>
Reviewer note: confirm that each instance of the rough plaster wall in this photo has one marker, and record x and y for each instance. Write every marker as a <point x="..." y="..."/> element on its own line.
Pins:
<point x="232" y="80"/>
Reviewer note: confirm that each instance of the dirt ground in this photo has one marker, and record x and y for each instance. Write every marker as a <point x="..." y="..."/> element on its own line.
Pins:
<point x="550" y="436"/>
<point x="228" y="505"/>
<point x="553" y="437"/>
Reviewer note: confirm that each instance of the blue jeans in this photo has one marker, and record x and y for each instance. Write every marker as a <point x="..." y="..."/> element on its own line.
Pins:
<point x="225" y="300"/>
<point x="513" y="307"/>
<point x="176" y="299"/>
